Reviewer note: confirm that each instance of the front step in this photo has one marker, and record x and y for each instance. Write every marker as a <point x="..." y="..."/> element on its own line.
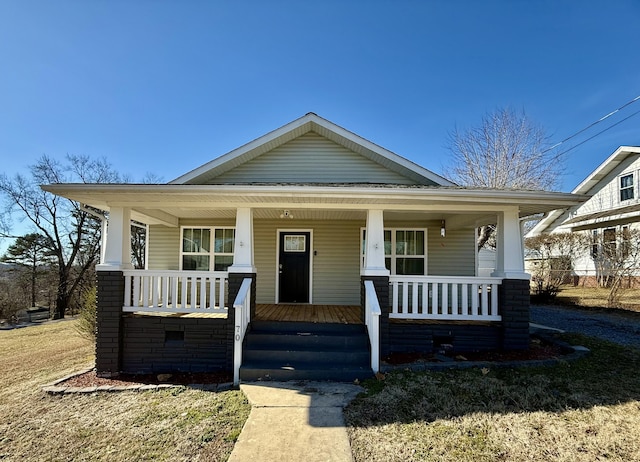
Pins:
<point x="305" y="351"/>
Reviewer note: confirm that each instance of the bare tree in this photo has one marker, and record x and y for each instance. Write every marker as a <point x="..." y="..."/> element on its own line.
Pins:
<point x="72" y="233"/>
<point x="616" y="255"/>
<point x="506" y="151"/>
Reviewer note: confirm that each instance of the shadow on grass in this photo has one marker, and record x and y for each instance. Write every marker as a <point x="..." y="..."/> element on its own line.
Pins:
<point x="608" y="376"/>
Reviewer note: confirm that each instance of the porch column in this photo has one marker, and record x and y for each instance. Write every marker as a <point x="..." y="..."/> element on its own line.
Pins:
<point x="376" y="271"/>
<point x="374" y="250"/>
<point x="243" y="266"/>
<point x="117" y="251"/>
<point x="510" y="249"/>
<point x="243" y="248"/>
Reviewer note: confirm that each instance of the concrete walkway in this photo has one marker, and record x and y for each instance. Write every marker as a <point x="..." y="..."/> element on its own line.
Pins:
<point x="294" y="421"/>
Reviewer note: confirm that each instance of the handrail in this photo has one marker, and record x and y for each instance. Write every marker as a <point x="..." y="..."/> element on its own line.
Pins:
<point x="242" y="307"/>
<point x="372" y="321"/>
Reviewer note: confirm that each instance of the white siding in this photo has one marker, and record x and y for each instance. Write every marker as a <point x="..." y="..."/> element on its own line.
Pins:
<point x="607" y="194"/>
<point x="311" y="159"/>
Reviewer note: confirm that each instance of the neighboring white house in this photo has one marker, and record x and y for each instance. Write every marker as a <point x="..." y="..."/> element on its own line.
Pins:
<point x="613" y="207"/>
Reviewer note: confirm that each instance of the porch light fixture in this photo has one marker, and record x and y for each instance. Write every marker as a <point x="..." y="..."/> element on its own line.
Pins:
<point x="286" y="214"/>
<point x="443" y="229"/>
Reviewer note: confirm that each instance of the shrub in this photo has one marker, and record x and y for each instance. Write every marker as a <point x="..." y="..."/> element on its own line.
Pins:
<point x="87" y="318"/>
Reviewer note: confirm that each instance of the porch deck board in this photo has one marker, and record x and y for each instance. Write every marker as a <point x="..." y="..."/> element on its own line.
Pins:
<point x="309" y="313"/>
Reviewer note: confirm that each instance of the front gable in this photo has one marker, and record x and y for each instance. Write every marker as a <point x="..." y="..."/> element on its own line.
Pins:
<point x="311" y="150"/>
<point x="311" y="158"/>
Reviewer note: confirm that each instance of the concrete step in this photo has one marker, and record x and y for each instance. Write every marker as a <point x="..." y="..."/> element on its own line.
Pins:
<point x="284" y="372"/>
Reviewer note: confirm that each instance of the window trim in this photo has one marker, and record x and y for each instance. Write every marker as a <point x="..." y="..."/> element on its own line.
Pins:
<point x="625" y="189"/>
<point x="212" y="254"/>
<point x="393" y="256"/>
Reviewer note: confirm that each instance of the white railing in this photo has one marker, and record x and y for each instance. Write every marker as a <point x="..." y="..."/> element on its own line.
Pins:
<point x="372" y="314"/>
<point x="242" y="307"/>
<point x="175" y="291"/>
<point x="444" y="298"/>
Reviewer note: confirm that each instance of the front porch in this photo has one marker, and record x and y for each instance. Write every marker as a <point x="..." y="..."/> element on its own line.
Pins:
<point x="325" y="314"/>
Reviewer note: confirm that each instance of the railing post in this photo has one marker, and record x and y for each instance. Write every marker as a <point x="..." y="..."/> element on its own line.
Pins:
<point x="242" y="309"/>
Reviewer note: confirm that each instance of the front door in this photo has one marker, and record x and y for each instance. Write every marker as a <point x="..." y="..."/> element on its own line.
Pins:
<point x="293" y="267"/>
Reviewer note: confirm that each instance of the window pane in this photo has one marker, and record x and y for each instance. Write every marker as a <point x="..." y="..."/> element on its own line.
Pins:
<point x="187" y="240"/>
<point x="387" y="243"/>
<point x="410" y="266"/>
<point x="205" y="240"/>
<point x="419" y="242"/>
<point x="626" y="181"/>
<point x="195" y="262"/>
<point x="387" y="263"/>
<point x="222" y="262"/>
<point x="224" y="239"/>
<point x="401" y="245"/>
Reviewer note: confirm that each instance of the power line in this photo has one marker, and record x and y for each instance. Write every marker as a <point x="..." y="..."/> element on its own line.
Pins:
<point x="599" y="133"/>
<point x="595" y="123"/>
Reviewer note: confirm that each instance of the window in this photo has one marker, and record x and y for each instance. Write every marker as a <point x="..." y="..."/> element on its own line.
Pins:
<point x="609" y="242"/>
<point x="625" y="243"/>
<point x="197" y="253"/>
<point x="404" y="249"/>
<point x="626" y="187"/>
<point x="594" y="243"/>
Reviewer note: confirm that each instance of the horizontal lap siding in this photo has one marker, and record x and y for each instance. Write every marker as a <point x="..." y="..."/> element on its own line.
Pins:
<point x="164" y="248"/>
<point x="311" y="158"/>
<point x="336" y="267"/>
<point x="452" y="255"/>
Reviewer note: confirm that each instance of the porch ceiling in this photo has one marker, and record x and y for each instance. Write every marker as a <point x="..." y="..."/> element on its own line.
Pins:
<point x="167" y="203"/>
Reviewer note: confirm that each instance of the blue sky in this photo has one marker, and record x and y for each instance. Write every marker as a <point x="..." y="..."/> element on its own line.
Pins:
<point x="165" y="86"/>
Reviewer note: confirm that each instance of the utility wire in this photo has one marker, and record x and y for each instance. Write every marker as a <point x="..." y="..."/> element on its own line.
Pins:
<point x="599" y="133"/>
<point x="594" y="123"/>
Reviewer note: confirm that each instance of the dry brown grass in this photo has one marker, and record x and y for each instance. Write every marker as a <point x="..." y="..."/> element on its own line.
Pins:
<point x="596" y="297"/>
<point x="583" y="411"/>
<point x="175" y="424"/>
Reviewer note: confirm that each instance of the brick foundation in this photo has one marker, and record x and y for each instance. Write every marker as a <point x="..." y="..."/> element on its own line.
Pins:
<point x="514" y="308"/>
<point x="109" y="323"/>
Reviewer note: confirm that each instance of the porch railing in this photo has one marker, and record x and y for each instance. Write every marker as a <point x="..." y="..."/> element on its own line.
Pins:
<point x="372" y="321"/>
<point x="242" y="307"/>
<point x="444" y="298"/>
<point x="175" y="291"/>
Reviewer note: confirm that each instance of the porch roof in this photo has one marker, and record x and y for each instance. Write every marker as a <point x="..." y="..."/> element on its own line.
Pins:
<point x="167" y="203"/>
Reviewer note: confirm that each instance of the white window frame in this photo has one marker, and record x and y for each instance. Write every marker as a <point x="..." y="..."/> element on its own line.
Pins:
<point x="212" y="254"/>
<point x="626" y="188"/>
<point x="393" y="256"/>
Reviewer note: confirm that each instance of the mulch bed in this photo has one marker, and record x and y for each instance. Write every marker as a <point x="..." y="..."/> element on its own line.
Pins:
<point x="90" y="379"/>
<point x="537" y="351"/>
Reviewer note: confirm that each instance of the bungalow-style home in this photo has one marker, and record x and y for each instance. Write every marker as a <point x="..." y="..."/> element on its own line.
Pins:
<point x="612" y="208"/>
<point x="309" y="252"/>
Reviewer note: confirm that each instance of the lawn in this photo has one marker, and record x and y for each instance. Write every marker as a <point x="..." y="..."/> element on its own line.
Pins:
<point x="596" y="297"/>
<point x="581" y="411"/>
<point x="171" y="425"/>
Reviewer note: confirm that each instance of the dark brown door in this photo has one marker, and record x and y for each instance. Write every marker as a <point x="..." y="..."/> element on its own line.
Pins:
<point x="293" y="265"/>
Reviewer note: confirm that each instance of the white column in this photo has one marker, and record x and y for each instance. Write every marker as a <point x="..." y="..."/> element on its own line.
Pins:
<point x="243" y="248"/>
<point x="374" y="249"/>
<point x="117" y="251"/>
<point x="510" y="254"/>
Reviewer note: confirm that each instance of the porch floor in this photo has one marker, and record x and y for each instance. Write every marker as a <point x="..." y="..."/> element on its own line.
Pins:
<point x="336" y="314"/>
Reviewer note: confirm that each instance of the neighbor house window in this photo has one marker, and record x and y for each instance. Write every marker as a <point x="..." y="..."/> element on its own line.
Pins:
<point x="207" y="249"/>
<point x="594" y="243"/>
<point x="626" y="187"/>
<point x="609" y="241"/>
<point x="404" y="249"/>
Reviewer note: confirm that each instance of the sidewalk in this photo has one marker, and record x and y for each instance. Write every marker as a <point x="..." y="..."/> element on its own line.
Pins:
<point x="294" y="421"/>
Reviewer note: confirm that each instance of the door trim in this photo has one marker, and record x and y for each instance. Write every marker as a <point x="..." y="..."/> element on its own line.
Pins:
<point x="279" y="231"/>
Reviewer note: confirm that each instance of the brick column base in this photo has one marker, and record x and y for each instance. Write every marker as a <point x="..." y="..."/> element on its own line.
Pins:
<point x="109" y="323"/>
<point x="514" y="308"/>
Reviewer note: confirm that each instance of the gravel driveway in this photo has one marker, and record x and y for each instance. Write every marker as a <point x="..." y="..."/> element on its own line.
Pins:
<point x="623" y="329"/>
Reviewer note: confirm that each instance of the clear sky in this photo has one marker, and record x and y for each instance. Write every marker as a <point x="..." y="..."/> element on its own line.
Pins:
<point x="164" y="86"/>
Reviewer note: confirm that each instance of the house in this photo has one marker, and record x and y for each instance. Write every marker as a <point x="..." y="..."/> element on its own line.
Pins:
<point x="304" y="249"/>
<point x="612" y="208"/>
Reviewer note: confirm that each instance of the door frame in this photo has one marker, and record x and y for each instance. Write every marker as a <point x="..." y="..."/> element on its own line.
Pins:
<point x="279" y="231"/>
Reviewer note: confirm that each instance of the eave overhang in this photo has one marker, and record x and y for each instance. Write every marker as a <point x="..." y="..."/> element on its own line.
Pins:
<point x="164" y="203"/>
